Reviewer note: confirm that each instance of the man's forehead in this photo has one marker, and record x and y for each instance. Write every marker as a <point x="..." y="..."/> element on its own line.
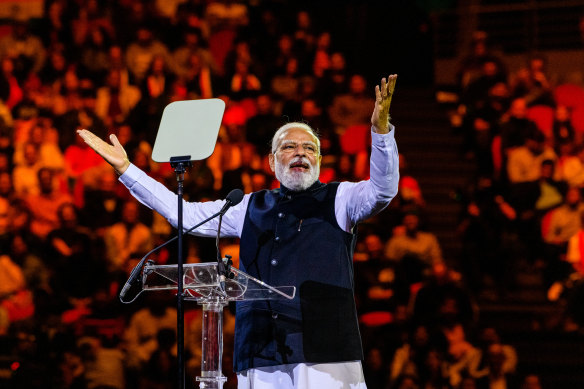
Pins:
<point x="297" y="134"/>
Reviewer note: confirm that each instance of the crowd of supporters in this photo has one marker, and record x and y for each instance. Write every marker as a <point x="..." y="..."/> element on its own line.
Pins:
<point x="70" y="233"/>
<point x="523" y="130"/>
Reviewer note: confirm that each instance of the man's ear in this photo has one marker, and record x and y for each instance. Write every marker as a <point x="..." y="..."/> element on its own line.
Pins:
<point x="271" y="160"/>
<point x="319" y="160"/>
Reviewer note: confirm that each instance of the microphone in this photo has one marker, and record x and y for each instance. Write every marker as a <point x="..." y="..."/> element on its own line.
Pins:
<point x="233" y="198"/>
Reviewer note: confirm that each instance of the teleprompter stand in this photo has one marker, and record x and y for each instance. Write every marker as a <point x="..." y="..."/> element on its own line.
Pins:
<point x="188" y="132"/>
<point x="201" y="283"/>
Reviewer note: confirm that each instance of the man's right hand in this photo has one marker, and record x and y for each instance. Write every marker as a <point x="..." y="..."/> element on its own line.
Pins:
<point x="113" y="154"/>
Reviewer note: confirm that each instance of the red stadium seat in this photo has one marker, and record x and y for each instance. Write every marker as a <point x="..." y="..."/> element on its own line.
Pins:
<point x="376" y="318"/>
<point x="543" y="116"/>
<point x="356" y="138"/>
<point x="570" y="95"/>
<point x="577" y="119"/>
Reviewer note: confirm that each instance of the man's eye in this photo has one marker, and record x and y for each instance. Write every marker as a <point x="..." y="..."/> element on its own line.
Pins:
<point x="288" y="147"/>
<point x="310" y="148"/>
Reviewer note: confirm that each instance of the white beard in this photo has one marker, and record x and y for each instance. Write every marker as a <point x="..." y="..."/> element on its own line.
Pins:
<point x="297" y="180"/>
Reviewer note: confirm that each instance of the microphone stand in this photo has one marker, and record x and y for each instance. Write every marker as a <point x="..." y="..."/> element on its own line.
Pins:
<point x="180" y="164"/>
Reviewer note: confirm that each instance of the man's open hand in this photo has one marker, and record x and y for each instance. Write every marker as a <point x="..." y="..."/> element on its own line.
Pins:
<point x="114" y="153"/>
<point x="383" y="95"/>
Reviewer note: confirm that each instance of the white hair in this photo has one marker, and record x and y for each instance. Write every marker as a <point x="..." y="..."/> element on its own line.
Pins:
<point x="282" y="130"/>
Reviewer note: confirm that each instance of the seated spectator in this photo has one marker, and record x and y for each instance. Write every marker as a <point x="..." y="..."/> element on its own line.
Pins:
<point x="550" y="190"/>
<point x="472" y="63"/>
<point x="497" y="373"/>
<point x="486" y="223"/>
<point x="532" y="83"/>
<point x="563" y="130"/>
<point x="192" y="46"/>
<point x="77" y="271"/>
<point x="415" y="251"/>
<point x="564" y="221"/>
<point x="570" y="166"/>
<point x="462" y="358"/>
<point x="524" y="162"/>
<point x="197" y="78"/>
<point x="575" y="249"/>
<point x="351" y="108"/>
<point x="140" y="336"/>
<point x="476" y="94"/>
<point x="142" y="51"/>
<point x="260" y="127"/>
<point x="45" y="205"/>
<point x="94" y="56"/>
<point x="116" y="100"/>
<point x="442" y="299"/>
<point x="516" y="128"/>
<point x="489" y="337"/>
<point x="285" y="86"/>
<point x="104" y="205"/>
<point x="531" y="381"/>
<point x="11" y="91"/>
<point x="126" y="239"/>
<point x="375" y="278"/>
<point x="24" y="48"/>
<point x="25" y="175"/>
<point x="322" y="61"/>
<point x="243" y="82"/>
<point x="408" y="358"/>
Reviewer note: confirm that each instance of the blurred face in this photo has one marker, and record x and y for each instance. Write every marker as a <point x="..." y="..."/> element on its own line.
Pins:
<point x="309" y="109"/>
<point x="411" y="223"/>
<point x="130" y="212"/>
<point x="519" y="108"/>
<point x="303" y="19"/>
<point x="46" y="181"/>
<point x="264" y="104"/>
<point x="573" y="196"/>
<point x="296" y="161"/>
<point x="144" y="36"/>
<point x="4" y="219"/>
<point x="68" y="217"/>
<point x="114" y="79"/>
<point x="5" y="184"/>
<point x="357" y="85"/>
<point x="285" y="43"/>
<point x="337" y="61"/>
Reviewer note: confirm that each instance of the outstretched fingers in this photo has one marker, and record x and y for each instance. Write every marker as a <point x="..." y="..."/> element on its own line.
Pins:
<point x="391" y="84"/>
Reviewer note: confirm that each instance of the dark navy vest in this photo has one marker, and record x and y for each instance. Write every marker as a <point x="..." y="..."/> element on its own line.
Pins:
<point x="293" y="238"/>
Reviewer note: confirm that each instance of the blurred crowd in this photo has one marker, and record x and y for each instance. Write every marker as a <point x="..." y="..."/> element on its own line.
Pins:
<point x="523" y="130"/>
<point x="70" y="233"/>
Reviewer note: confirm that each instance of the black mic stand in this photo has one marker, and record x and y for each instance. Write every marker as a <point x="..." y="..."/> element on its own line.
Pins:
<point x="179" y="164"/>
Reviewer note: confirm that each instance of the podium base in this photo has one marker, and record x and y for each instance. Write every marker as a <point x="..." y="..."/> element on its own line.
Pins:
<point x="211" y="382"/>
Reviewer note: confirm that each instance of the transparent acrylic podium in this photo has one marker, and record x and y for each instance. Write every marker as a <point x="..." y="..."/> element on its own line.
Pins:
<point x="201" y="283"/>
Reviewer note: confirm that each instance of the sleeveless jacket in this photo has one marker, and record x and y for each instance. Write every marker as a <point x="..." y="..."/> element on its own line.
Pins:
<point x="293" y="239"/>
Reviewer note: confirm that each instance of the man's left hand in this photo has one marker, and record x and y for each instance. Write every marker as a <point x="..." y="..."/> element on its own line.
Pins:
<point x="383" y="95"/>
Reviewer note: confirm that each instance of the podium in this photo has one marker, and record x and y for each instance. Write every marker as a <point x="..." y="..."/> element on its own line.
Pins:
<point x="201" y="283"/>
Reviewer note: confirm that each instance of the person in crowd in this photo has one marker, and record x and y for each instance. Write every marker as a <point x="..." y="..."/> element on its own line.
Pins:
<point x="142" y="51"/>
<point x="350" y="108"/>
<point x="115" y="100"/>
<point x="415" y="251"/>
<point x="26" y="49"/>
<point x="305" y="210"/>
<point x="126" y="239"/>
<point x="45" y="205"/>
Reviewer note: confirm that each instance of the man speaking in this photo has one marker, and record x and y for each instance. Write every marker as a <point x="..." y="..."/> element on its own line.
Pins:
<point x="301" y="234"/>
